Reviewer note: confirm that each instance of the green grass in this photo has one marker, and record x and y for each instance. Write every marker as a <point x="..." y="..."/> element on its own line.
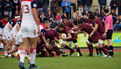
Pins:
<point x="68" y="62"/>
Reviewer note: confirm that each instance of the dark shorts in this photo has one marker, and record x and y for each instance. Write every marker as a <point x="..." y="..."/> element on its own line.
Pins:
<point x="74" y="41"/>
<point x="109" y="34"/>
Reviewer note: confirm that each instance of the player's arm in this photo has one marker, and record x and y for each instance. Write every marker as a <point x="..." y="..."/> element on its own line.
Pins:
<point x="94" y="30"/>
<point x="17" y="27"/>
<point x="10" y="26"/>
<point x="56" y="40"/>
<point x="34" y="13"/>
<point x="69" y="36"/>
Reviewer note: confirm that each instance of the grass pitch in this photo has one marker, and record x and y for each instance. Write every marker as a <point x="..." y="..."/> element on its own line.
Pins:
<point x="73" y="62"/>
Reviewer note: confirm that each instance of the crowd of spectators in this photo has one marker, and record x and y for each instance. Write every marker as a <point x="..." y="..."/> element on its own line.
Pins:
<point x="50" y="10"/>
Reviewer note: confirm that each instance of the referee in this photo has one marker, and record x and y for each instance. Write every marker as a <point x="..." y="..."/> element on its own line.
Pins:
<point x="108" y="30"/>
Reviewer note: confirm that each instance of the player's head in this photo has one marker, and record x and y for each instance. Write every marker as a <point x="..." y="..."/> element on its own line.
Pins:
<point x="65" y="20"/>
<point x="80" y="22"/>
<point x="6" y="18"/>
<point x="47" y="24"/>
<point x="91" y="16"/>
<point x="61" y="26"/>
<point x="105" y="10"/>
<point x="17" y="18"/>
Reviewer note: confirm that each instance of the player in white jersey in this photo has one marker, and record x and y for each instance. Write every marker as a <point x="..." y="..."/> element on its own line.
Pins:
<point x="2" y="39"/>
<point x="7" y="33"/>
<point x="30" y="30"/>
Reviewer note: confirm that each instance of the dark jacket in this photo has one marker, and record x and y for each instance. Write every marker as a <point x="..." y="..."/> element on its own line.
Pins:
<point x="112" y="3"/>
<point x="7" y="6"/>
<point x="102" y="2"/>
<point x="54" y="6"/>
<point x="88" y="2"/>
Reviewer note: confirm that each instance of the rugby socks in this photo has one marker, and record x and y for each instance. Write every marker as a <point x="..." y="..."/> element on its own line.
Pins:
<point x="22" y="54"/>
<point x="90" y="49"/>
<point x="67" y="47"/>
<point x="105" y="50"/>
<point x="57" y="50"/>
<point x="32" y="55"/>
<point x="106" y="47"/>
<point x="97" y="51"/>
<point x="111" y="48"/>
<point x="78" y="50"/>
<point x="5" y="53"/>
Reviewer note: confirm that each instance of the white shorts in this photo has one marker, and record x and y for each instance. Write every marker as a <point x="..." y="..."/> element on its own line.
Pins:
<point x="29" y="31"/>
<point x="19" y="38"/>
<point x="8" y="36"/>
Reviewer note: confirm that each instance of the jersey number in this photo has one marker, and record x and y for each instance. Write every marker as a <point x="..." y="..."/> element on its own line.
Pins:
<point x="25" y="8"/>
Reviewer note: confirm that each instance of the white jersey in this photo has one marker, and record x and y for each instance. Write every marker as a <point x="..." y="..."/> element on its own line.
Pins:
<point x="28" y="26"/>
<point x="7" y="31"/>
<point x="6" y="28"/>
<point x="14" y="31"/>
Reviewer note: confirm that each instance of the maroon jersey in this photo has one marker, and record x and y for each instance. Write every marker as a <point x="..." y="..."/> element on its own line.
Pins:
<point x="88" y="28"/>
<point x="66" y="30"/>
<point x="100" y="29"/>
<point x="50" y="34"/>
<point x="69" y="24"/>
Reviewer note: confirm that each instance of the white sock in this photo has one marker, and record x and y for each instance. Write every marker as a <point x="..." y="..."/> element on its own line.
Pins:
<point x="5" y="53"/>
<point x="32" y="55"/>
<point x="22" y="54"/>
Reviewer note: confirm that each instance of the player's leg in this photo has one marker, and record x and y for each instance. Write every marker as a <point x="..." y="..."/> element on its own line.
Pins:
<point x="22" y="50"/>
<point x="77" y="47"/>
<point x="90" y="47"/>
<point x="33" y="44"/>
<point x="56" y="49"/>
<point x="102" y="47"/>
<point x="97" y="51"/>
<point x="63" y="44"/>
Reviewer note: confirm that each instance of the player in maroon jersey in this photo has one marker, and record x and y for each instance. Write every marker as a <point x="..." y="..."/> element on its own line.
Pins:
<point x="67" y="30"/>
<point x="97" y="24"/>
<point x="74" y="36"/>
<point x="87" y="27"/>
<point x="49" y="38"/>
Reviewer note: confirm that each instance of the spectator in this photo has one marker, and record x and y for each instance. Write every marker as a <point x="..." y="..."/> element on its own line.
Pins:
<point x="1" y="10"/>
<point x="66" y="7"/>
<point x="58" y="17"/>
<point x="102" y="4"/>
<point x="119" y="7"/>
<point x="59" y="2"/>
<point x="55" y="24"/>
<point x="49" y="15"/>
<point x="85" y="13"/>
<point x="64" y="15"/>
<point x="80" y="2"/>
<point x="77" y="13"/>
<point x="76" y="20"/>
<point x="16" y="13"/>
<point x="16" y="6"/>
<point x="114" y="4"/>
<point x="97" y="13"/>
<point x="8" y="8"/>
<point x="74" y="4"/>
<point x="54" y="7"/>
<point x="45" y="6"/>
<point x="80" y="5"/>
<point x="42" y="18"/>
<point x="117" y="25"/>
<point x="87" y="5"/>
